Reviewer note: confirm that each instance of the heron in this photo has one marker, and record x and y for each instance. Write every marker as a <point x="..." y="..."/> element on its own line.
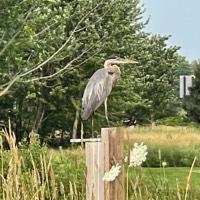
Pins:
<point x="100" y="86"/>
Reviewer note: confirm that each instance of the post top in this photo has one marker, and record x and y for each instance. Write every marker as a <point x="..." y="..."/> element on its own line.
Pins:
<point x="85" y="140"/>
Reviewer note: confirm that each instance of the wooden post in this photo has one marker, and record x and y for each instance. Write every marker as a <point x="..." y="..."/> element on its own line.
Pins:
<point x="113" y="145"/>
<point x="95" y="171"/>
<point x="94" y="167"/>
<point x="101" y="155"/>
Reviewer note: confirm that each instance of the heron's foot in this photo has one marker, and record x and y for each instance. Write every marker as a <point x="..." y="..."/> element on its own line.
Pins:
<point x="107" y="120"/>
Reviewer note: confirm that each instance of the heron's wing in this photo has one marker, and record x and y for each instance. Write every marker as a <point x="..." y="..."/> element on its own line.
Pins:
<point x="98" y="88"/>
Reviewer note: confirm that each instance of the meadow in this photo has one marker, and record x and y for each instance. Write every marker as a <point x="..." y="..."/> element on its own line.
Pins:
<point x="164" y="136"/>
<point x="37" y="172"/>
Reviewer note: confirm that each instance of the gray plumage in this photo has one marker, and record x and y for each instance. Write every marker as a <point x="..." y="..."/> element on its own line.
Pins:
<point x="98" y="88"/>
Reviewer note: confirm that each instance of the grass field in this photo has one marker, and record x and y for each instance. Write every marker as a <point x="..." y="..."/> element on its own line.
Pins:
<point x="153" y="184"/>
<point x="173" y="175"/>
<point x="164" y="136"/>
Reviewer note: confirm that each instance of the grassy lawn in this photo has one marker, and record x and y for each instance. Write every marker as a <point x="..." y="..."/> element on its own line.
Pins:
<point x="153" y="185"/>
<point x="173" y="175"/>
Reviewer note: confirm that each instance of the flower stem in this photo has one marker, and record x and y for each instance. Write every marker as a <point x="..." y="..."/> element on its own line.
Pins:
<point x="127" y="177"/>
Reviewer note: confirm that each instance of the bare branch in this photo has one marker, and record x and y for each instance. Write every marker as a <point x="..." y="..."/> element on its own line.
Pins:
<point x="69" y="64"/>
<point x="5" y="90"/>
<point x="45" y="29"/>
<point x="2" y="37"/>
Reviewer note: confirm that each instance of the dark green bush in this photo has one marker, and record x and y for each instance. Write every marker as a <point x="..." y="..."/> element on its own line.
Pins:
<point x="32" y="151"/>
<point x="174" y="157"/>
<point x="69" y="165"/>
<point x="172" y="121"/>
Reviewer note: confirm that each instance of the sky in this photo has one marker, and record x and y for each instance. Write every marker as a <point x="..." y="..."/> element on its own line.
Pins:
<point x="178" y="18"/>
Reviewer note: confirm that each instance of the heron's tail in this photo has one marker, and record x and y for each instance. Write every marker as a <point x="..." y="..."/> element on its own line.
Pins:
<point x="86" y="112"/>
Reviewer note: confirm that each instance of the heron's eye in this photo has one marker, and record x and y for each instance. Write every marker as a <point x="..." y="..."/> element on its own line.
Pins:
<point x="110" y="73"/>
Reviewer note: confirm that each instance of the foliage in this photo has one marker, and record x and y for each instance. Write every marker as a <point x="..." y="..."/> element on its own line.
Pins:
<point x="32" y="151"/>
<point x="69" y="165"/>
<point x="191" y="103"/>
<point x="173" y="156"/>
<point x="172" y="121"/>
<point x="154" y="79"/>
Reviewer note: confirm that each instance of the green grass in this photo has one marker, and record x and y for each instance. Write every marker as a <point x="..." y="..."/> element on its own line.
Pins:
<point x="173" y="174"/>
<point x="151" y="183"/>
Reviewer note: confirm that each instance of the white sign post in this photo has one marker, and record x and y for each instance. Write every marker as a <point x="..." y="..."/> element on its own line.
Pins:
<point x="185" y="84"/>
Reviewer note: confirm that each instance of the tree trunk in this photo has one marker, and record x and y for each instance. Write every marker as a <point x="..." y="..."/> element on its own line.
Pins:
<point x="75" y="126"/>
<point x="38" y="117"/>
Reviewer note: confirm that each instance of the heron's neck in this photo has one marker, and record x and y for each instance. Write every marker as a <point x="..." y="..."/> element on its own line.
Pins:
<point x="107" y="64"/>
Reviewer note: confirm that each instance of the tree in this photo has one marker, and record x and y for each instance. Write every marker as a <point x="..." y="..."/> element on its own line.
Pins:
<point x="191" y="103"/>
<point x="150" y="86"/>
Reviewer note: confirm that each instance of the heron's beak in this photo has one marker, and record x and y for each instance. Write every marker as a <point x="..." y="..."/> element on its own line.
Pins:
<point x="126" y="61"/>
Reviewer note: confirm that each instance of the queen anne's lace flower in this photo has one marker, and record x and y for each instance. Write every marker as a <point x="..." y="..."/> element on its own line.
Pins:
<point x="112" y="174"/>
<point x="138" y="154"/>
<point x="164" y="164"/>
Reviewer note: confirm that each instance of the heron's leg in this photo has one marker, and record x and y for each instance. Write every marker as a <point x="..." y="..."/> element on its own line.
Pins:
<point x="106" y="111"/>
<point x="92" y="126"/>
<point x="82" y="133"/>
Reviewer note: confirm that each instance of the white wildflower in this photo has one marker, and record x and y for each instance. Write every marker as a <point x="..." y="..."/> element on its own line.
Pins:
<point x="126" y="159"/>
<point x="112" y="174"/>
<point x="138" y="154"/>
<point x="164" y="164"/>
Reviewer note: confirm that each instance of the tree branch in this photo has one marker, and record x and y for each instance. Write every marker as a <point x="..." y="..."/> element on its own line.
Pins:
<point x="9" y="85"/>
<point x="66" y="66"/>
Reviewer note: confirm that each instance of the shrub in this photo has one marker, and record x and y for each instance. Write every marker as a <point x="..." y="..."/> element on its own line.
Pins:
<point x="69" y="165"/>
<point x="175" y="157"/>
<point x="172" y="121"/>
<point x="32" y="151"/>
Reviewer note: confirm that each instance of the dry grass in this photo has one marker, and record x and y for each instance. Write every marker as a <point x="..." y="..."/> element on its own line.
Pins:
<point x="163" y="136"/>
<point x="32" y="184"/>
<point x="37" y="182"/>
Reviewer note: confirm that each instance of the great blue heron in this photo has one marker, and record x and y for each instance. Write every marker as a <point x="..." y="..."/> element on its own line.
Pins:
<point x="100" y="86"/>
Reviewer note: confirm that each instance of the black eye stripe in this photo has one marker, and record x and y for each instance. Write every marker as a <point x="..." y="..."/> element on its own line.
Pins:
<point x="111" y="73"/>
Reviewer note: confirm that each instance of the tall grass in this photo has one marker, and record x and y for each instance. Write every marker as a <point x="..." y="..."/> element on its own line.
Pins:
<point x="22" y="183"/>
<point x="32" y="180"/>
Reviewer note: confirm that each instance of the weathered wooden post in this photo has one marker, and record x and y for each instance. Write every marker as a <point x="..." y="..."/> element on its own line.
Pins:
<point x="101" y="154"/>
<point x="94" y="170"/>
<point x="113" y="145"/>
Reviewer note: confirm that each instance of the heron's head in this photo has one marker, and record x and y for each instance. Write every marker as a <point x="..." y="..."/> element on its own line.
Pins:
<point x="113" y="69"/>
<point x="114" y="72"/>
